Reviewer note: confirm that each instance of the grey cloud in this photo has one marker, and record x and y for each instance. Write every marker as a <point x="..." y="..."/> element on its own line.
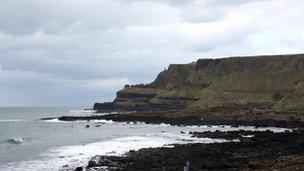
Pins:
<point x="230" y="2"/>
<point x="46" y="87"/>
<point x="21" y="17"/>
<point x="76" y="52"/>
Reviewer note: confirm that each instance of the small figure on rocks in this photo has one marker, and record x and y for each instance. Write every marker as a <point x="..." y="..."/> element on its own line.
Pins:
<point x="187" y="167"/>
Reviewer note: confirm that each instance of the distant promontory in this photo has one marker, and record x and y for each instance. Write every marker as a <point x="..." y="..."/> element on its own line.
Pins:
<point x="275" y="81"/>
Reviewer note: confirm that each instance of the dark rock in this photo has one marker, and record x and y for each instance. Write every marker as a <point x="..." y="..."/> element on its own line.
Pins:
<point x="79" y="169"/>
<point x="264" y="151"/>
<point x="94" y="162"/>
<point x="230" y="135"/>
<point x="220" y="116"/>
<point x="203" y="63"/>
<point x="102" y="161"/>
<point x="87" y="126"/>
<point x="137" y="95"/>
<point x="104" y="106"/>
<point x="44" y="119"/>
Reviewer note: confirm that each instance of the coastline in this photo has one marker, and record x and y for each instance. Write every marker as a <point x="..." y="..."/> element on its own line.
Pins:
<point x="280" y="147"/>
<point x="254" y="91"/>
<point x="260" y="151"/>
<point x="201" y="117"/>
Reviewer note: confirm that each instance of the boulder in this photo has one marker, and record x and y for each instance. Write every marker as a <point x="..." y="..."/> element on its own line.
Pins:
<point x="78" y="169"/>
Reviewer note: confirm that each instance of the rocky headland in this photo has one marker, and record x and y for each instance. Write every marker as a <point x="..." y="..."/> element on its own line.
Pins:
<point x="274" y="82"/>
<point x="253" y="90"/>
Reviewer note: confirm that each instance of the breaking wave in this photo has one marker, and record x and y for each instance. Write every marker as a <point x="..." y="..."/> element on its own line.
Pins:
<point x="78" y="155"/>
<point x="13" y="141"/>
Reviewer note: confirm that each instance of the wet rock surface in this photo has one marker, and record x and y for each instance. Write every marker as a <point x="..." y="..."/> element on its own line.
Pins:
<point x="231" y="135"/>
<point x="263" y="151"/>
<point x="254" y="151"/>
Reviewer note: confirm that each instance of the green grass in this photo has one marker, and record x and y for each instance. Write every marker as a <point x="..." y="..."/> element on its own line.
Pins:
<point x="294" y="101"/>
<point x="232" y="80"/>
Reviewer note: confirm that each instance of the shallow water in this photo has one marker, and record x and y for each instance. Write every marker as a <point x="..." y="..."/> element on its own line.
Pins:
<point x="27" y="143"/>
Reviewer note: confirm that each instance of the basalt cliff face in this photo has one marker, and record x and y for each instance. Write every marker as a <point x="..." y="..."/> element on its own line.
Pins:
<point x="271" y="81"/>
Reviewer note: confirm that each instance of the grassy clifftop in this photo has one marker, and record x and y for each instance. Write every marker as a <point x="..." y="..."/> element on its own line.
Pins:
<point x="209" y="83"/>
<point x="250" y="79"/>
<point x="294" y="101"/>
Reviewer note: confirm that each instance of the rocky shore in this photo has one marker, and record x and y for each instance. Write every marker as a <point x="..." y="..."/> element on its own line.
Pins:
<point x="256" y="91"/>
<point x="259" y="151"/>
<point x="254" y="151"/>
<point x="223" y="116"/>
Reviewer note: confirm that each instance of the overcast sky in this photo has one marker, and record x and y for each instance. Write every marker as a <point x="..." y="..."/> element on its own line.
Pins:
<point x="77" y="52"/>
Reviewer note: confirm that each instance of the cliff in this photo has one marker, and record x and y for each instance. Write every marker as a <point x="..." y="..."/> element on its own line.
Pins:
<point x="273" y="81"/>
<point x="293" y="102"/>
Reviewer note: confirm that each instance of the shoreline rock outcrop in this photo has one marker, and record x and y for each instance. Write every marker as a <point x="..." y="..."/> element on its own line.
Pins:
<point x="259" y="151"/>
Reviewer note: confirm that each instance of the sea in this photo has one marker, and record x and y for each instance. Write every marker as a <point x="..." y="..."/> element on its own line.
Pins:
<point x="29" y="143"/>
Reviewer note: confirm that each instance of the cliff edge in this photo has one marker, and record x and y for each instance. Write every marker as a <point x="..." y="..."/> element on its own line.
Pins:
<point x="271" y="81"/>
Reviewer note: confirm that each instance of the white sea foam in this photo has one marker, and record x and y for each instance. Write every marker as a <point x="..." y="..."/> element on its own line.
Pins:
<point x="18" y="140"/>
<point x="77" y="112"/>
<point x="225" y="128"/>
<point x="247" y="136"/>
<point x="77" y="155"/>
<point x="10" y="120"/>
<point x="53" y="120"/>
<point x="101" y="121"/>
<point x="208" y="128"/>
